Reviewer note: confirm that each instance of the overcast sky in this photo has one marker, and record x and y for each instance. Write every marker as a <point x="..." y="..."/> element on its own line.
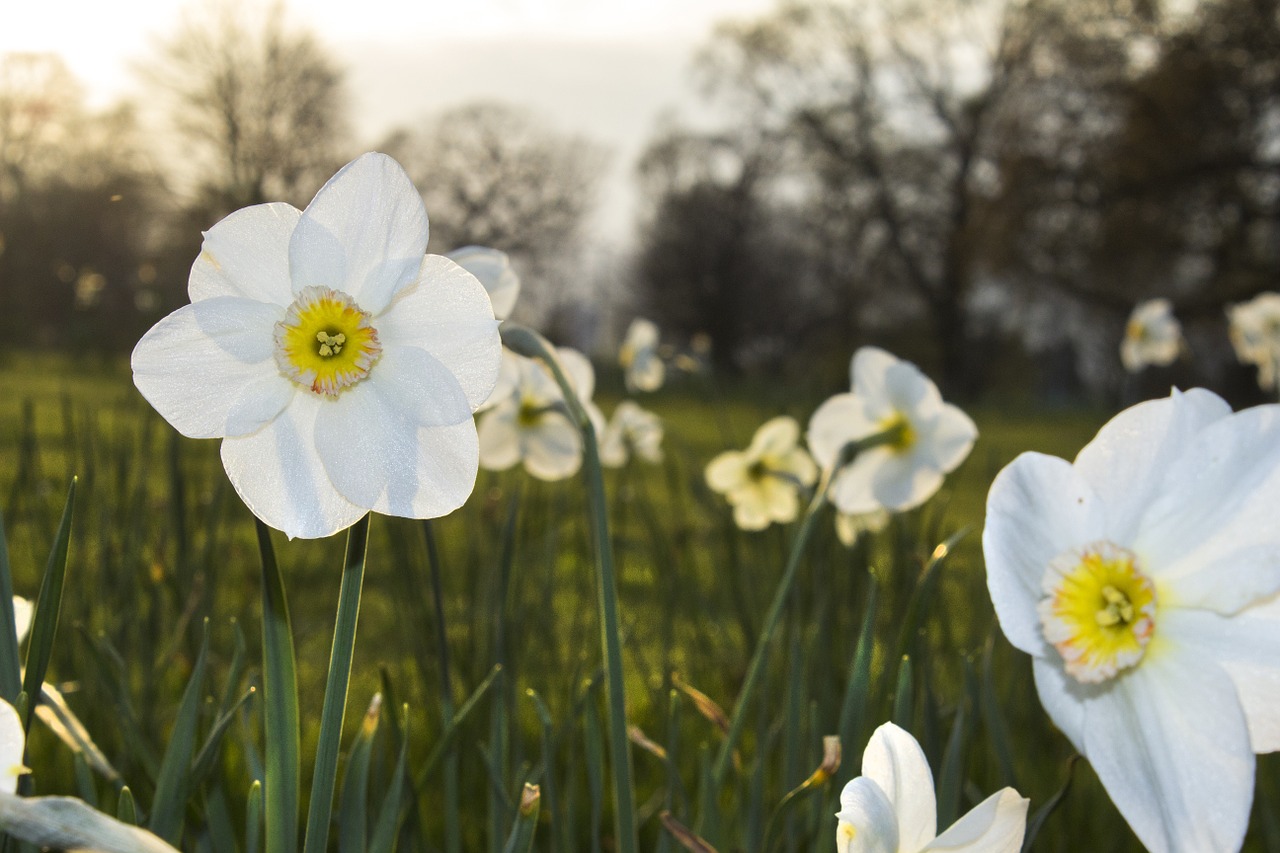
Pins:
<point x="604" y="69"/>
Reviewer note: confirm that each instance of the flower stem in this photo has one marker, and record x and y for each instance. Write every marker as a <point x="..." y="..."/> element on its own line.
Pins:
<point x="528" y="343"/>
<point x="335" y="691"/>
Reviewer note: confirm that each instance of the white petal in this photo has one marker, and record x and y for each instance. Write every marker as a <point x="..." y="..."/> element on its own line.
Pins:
<point x="995" y="825"/>
<point x="750" y="510"/>
<point x="895" y="762"/>
<point x="207" y="359"/>
<point x="867" y="372"/>
<point x="279" y="475"/>
<point x="1169" y="743"/>
<point x="797" y="463"/>
<point x="949" y="438"/>
<point x="12" y="745"/>
<point x="901" y="482"/>
<point x="493" y="269"/>
<point x="446" y="313"/>
<point x="774" y="437"/>
<point x="1038" y="508"/>
<point x="499" y="436"/>
<point x="22" y="610"/>
<point x="910" y="392"/>
<point x="508" y="380"/>
<point x="1209" y="533"/>
<point x="834" y="424"/>
<point x="646" y="372"/>
<point x="364" y="234"/>
<point x="727" y="471"/>
<point x="1127" y="461"/>
<point x="577" y="368"/>
<point x="866" y="822"/>
<point x="437" y="478"/>
<point x="1063" y="697"/>
<point x="851" y="490"/>
<point x="552" y="448"/>
<point x="247" y="255"/>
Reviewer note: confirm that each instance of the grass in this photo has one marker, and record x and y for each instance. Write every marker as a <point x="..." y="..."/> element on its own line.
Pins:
<point x="160" y="543"/>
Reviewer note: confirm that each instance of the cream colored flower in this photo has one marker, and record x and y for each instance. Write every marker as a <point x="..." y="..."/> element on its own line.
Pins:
<point x="639" y="357"/>
<point x="1254" y="327"/>
<point x="849" y="527"/>
<point x="631" y="429"/>
<point x="762" y="482"/>
<point x="1153" y="336"/>
<point x="493" y="270"/>
<point x="888" y="393"/>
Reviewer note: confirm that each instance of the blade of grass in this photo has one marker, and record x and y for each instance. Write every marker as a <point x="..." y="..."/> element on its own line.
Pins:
<point x="384" y="831"/>
<point x="10" y="660"/>
<point x="857" y="694"/>
<point x="319" y="814"/>
<point x="1036" y="822"/>
<point x="280" y="706"/>
<point x="44" y="622"/>
<point x="353" y="807"/>
<point x="448" y="736"/>
<point x="452" y="810"/>
<point x="521" y="838"/>
<point x="253" y="818"/>
<point x="173" y="785"/>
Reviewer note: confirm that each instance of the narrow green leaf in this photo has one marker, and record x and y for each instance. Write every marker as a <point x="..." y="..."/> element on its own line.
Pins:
<point x="951" y="774"/>
<point x="280" y="706"/>
<point x="353" y="802"/>
<point x="594" y="745"/>
<point x="253" y="818"/>
<point x="1036" y="821"/>
<point x="204" y="762"/>
<point x="993" y="719"/>
<point x="384" y="832"/>
<point x="10" y="660"/>
<point x="522" y="831"/>
<point x="85" y="785"/>
<point x="173" y="785"/>
<point x="126" y="809"/>
<point x="548" y="767"/>
<point x="903" y="696"/>
<point x="450" y="733"/>
<point x="44" y="622"/>
<point x="857" y="694"/>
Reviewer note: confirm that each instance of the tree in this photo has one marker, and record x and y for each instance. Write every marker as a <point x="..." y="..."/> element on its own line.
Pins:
<point x="258" y="103"/>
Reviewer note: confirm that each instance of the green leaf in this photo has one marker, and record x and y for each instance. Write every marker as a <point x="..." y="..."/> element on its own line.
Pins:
<point x="526" y="823"/>
<point x="353" y="805"/>
<point x="857" y="694"/>
<point x="44" y="622"/>
<point x="253" y="818"/>
<point x="173" y="785"/>
<point x="450" y="733"/>
<point x="126" y="809"/>
<point x="204" y="763"/>
<point x="903" y="696"/>
<point x="280" y="705"/>
<point x="10" y="660"/>
<point x="1036" y="821"/>
<point x="384" y="832"/>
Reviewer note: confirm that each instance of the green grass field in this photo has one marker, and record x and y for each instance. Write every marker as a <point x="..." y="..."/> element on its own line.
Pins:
<point x="160" y="544"/>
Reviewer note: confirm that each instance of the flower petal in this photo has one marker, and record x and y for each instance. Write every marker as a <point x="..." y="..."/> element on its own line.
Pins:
<point x="446" y="313"/>
<point x="279" y="475"/>
<point x="364" y="234"/>
<point x="1127" y="460"/>
<point x="247" y="255"/>
<point x="949" y="438"/>
<point x="577" y="368"/>
<point x="493" y="269"/>
<point x="22" y="611"/>
<point x="1038" y="508"/>
<point x="208" y="359"/>
<point x="437" y="478"/>
<point x="12" y="745"/>
<point x="852" y="489"/>
<point x="1063" y="697"/>
<point x="774" y="437"/>
<point x="867" y="371"/>
<point x="1169" y="742"/>
<point x="499" y="437"/>
<point x="895" y="762"/>
<point x="995" y="825"/>
<point x="836" y="422"/>
<point x="552" y="448"/>
<point x="901" y="482"/>
<point x="727" y="471"/>
<point x="867" y="823"/>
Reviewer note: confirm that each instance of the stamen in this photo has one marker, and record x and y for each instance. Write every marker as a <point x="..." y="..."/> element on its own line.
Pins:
<point x="325" y="343"/>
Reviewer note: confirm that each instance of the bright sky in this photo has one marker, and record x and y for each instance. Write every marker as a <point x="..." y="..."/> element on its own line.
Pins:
<point x="600" y="68"/>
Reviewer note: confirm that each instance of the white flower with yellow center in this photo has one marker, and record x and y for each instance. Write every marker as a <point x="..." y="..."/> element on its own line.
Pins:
<point x="891" y="807"/>
<point x="13" y="742"/>
<point x="493" y="270"/>
<point x="639" y="356"/>
<point x="1143" y="579"/>
<point x="762" y="483"/>
<point x="1254" y="327"/>
<point x="338" y="362"/>
<point x="1153" y="336"/>
<point x="932" y="437"/>
<point x="531" y="423"/>
<point x="632" y="429"/>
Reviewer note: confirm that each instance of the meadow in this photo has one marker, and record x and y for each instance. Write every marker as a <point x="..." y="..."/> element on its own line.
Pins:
<point x="480" y="634"/>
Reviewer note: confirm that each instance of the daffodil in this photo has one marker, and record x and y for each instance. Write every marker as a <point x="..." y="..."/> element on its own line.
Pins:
<point x="928" y="438"/>
<point x="851" y="526"/>
<point x="762" y="482"/>
<point x="631" y="429"/>
<point x="338" y="363"/>
<point x="639" y="356"/>
<point x="891" y="807"/>
<point x="531" y="424"/>
<point x="1254" y="327"/>
<point x="13" y="742"/>
<point x="1153" y="336"/>
<point x="1142" y="579"/>
<point x="493" y="270"/>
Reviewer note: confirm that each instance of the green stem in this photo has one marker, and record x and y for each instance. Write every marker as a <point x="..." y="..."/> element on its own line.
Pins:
<point x="335" y="690"/>
<point x="528" y="343"/>
<point x="452" y="812"/>
<point x="280" y="706"/>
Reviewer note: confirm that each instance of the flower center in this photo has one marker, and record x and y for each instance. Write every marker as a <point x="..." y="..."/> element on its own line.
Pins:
<point x="325" y="342"/>
<point x="900" y="435"/>
<point x="1098" y="611"/>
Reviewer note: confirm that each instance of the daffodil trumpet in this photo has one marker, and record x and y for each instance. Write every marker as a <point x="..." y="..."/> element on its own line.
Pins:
<point x="526" y="342"/>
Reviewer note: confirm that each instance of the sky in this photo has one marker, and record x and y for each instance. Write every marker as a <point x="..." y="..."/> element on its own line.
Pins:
<point x="603" y="69"/>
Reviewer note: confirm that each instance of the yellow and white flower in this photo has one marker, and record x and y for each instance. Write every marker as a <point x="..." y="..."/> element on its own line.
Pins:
<point x="891" y="807"/>
<point x="1144" y="580"/>
<point x="933" y="437"/>
<point x="1153" y="336"/>
<point x="531" y="424"/>
<point x="632" y="429"/>
<point x="492" y="268"/>
<point x="339" y="363"/>
<point x="1254" y="327"/>
<point x="639" y="356"/>
<point x="762" y="482"/>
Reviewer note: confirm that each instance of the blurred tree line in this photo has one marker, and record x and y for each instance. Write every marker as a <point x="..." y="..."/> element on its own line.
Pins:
<point x="973" y="173"/>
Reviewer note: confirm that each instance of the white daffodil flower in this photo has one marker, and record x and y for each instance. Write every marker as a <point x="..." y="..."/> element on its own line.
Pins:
<point x="1153" y="336"/>
<point x="849" y="528"/>
<point x="22" y="612"/>
<point x="762" y="482"/>
<point x="493" y="270"/>
<point x="1254" y="327"/>
<point x="639" y="356"/>
<point x="891" y="807"/>
<point x="631" y="429"/>
<point x="531" y="424"/>
<point x="1143" y="580"/>
<point x="888" y="393"/>
<point x="339" y="364"/>
<point x="13" y="742"/>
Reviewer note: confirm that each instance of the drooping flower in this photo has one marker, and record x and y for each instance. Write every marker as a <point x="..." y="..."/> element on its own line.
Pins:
<point x="632" y="429"/>
<point x="1153" y="336"/>
<point x="933" y="437"/>
<point x="849" y="528"/>
<point x="891" y="807"/>
<point x="1254" y="327"/>
<point x="13" y="742"/>
<point x="493" y="270"/>
<point x="339" y="363"/>
<point x="639" y="356"/>
<point x="761" y="483"/>
<point x="531" y="424"/>
<point x="1142" y="579"/>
